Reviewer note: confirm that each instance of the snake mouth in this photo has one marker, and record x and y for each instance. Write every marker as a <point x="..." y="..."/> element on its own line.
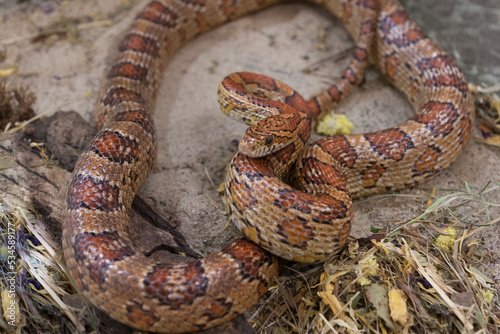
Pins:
<point x="251" y="153"/>
<point x="258" y="146"/>
<point x="252" y="148"/>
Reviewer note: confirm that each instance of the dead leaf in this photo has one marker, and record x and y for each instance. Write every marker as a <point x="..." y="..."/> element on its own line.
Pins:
<point x="397" y="304"/>
<point x="464" y="298"/>
<point x="377" y="295"/>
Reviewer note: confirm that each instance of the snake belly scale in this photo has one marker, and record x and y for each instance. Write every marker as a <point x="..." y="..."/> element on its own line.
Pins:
<point x="162" y="297"/>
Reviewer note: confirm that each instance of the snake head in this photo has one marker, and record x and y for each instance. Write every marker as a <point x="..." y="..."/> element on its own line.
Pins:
<point x="267" y="136"/>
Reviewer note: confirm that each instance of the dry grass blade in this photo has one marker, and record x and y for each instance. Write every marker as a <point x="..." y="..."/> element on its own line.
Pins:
<point x="427" y="287"/>
<point x="449" y="203"/>
<point x="15" y="106"/>
<point x="40" y="280"/>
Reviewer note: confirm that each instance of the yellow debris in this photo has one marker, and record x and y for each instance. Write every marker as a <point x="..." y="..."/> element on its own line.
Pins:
<point x="397" y="305"/>
<point x="371" y="261"/>
<point x="364" y="281"/>
<point x="429" y="201"/>
<point x="330" y="299"/>
<point x="334" y="125"/>
<point x="446" y="242"/>
<point x="8" y="71"/>
<point x="369" y="266"/>
<point x="488" y="296"/>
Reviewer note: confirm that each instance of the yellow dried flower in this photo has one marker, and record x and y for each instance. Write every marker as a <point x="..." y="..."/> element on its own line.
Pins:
<point x="371" y="261"/>
<point x="364" y="281"/>
<point x="369" y="265"/>
<point x="488" y="296"/>
<point x="335" y="124"/>
<point x="447" y="242"/>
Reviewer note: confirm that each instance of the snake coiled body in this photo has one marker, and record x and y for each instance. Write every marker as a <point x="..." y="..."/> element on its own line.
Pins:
<point x="180" y="298"/>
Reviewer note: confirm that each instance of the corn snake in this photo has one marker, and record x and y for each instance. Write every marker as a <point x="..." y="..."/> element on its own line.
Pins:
<point x="161" y="297"/>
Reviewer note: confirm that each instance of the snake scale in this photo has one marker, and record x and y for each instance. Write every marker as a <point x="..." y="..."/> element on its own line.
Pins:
<point x="295" y="225"/>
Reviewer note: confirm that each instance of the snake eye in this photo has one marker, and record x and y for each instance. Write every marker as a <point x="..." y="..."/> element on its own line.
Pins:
<point x="269" y="140"/>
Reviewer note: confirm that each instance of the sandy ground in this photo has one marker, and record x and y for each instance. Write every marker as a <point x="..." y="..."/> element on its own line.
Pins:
<point x="196" y="140"/>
